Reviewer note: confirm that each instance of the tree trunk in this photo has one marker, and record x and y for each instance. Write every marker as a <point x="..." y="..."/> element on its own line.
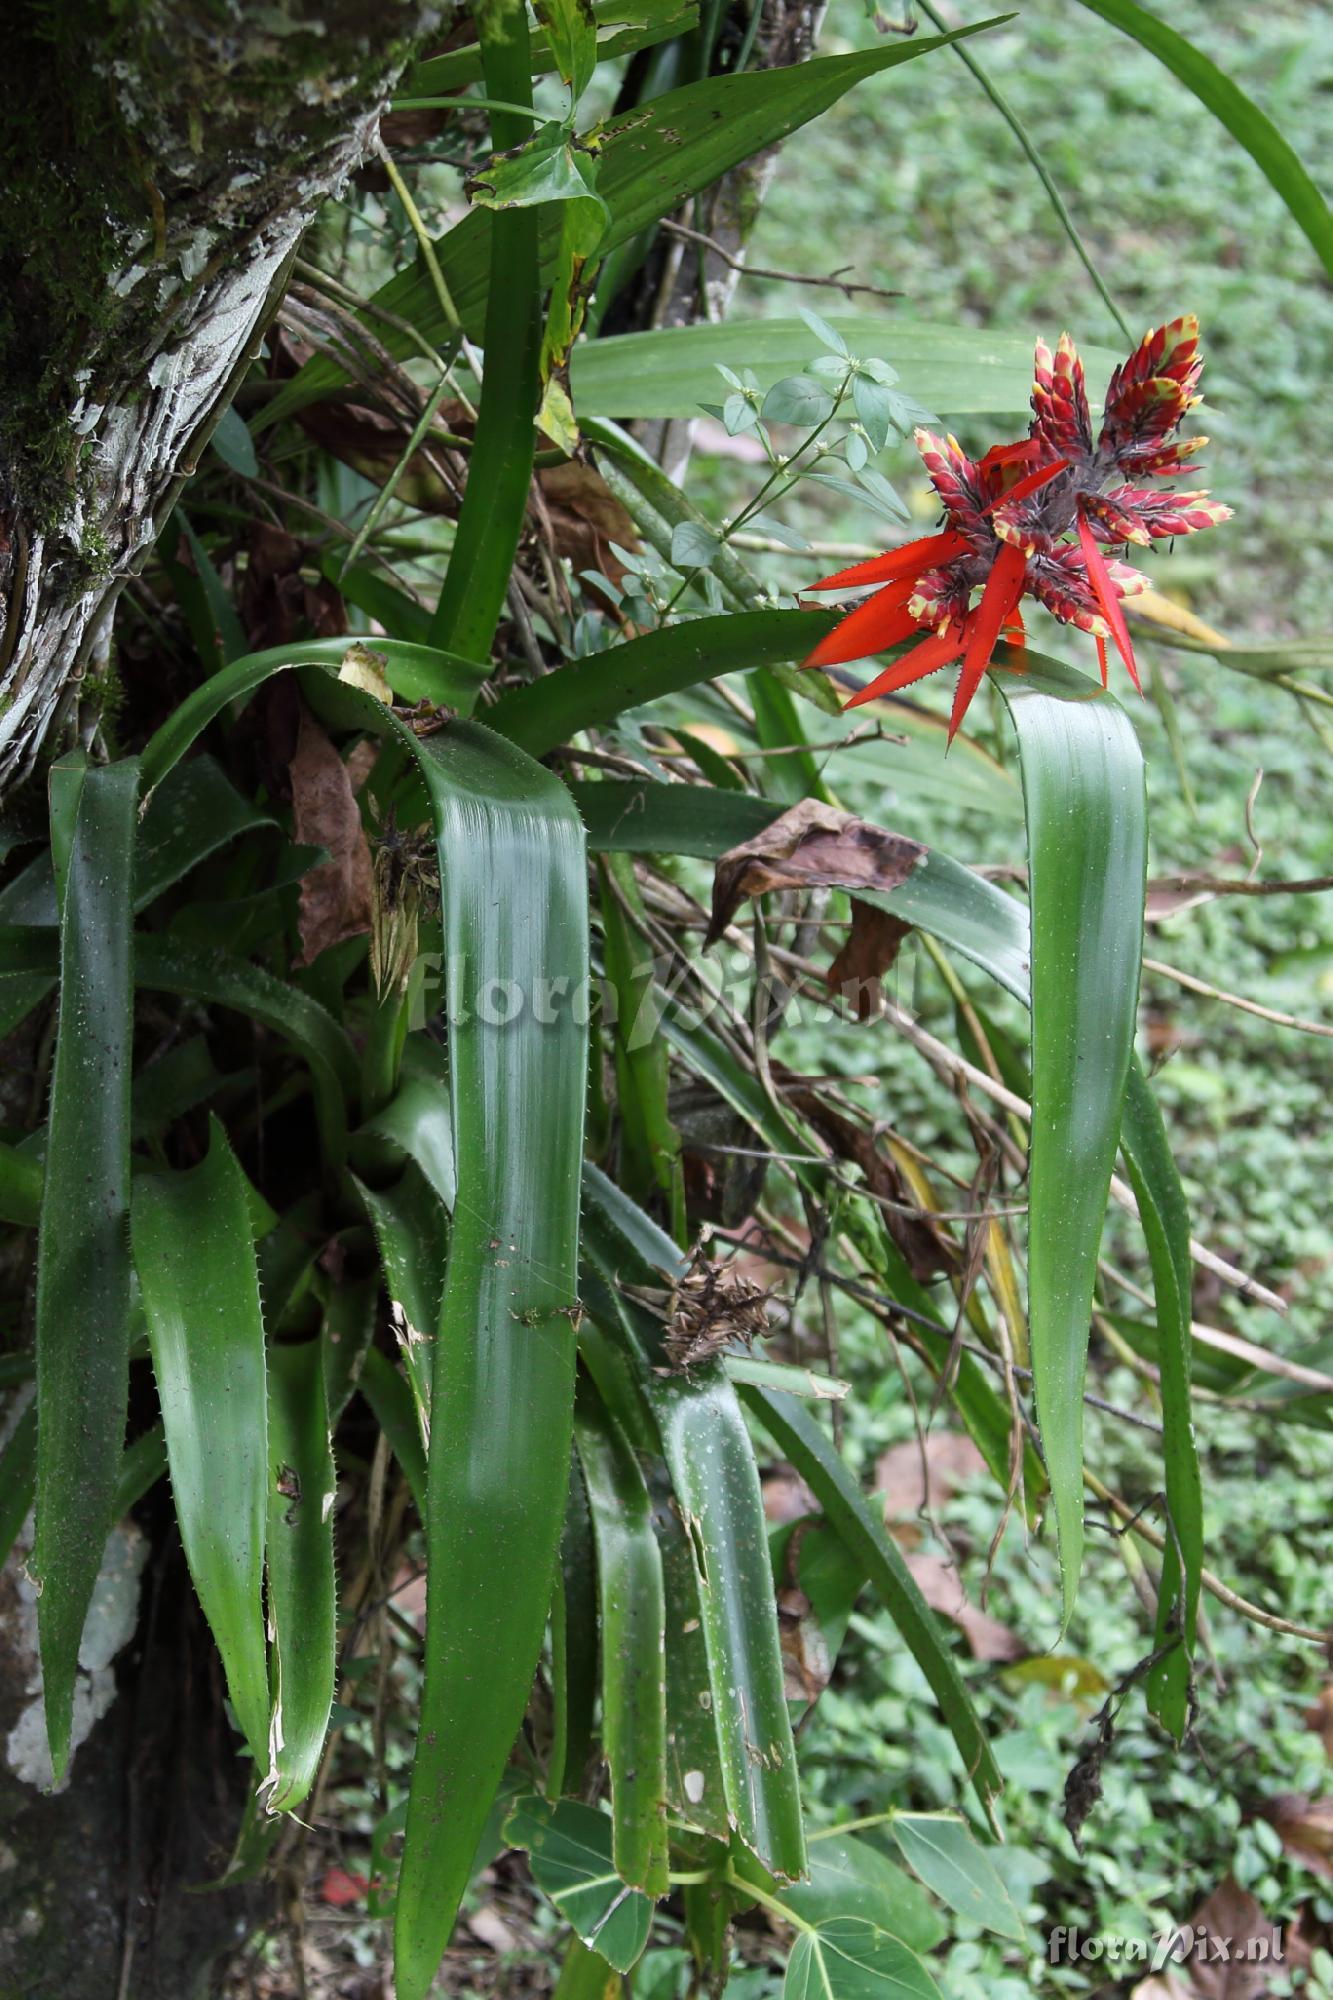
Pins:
<point x="162" y="159"/>
<point x="98" y="1881"/>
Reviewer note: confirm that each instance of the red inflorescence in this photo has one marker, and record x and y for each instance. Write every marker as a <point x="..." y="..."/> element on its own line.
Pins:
<point x="1031" y="518"/>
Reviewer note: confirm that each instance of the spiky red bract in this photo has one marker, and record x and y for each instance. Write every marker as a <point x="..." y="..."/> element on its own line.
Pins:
<point x="1028" y="518"/>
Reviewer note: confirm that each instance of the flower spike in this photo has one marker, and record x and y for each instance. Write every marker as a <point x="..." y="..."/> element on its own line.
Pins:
<point x="1032" y="518"/>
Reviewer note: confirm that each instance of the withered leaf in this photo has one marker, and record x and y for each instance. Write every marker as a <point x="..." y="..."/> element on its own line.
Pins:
<point x="1305" y="1826"/>
<point x="871" y="947"/>
<point x="586" y="518"/>
<point x="335" y="897"/>
<point x="939" y="1584"/>
<point x="946" y="1457"/>
<point x="927" y="1247"/>
<point x="816" y="846"/>
<point x="1227" y="1965"/>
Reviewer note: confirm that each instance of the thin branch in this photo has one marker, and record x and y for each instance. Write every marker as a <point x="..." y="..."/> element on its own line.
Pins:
<point x="937" y="1052"/>
<point x="1221" y="1591"/>
<point x="1193" y="985"/>
<point x="834" y="282"/>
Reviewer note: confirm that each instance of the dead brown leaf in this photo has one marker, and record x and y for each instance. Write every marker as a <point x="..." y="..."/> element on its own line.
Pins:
<point x="1319" y="1716"/>
<point x="582" y="515"/>
<point x="786" y="1497"/>
<point x="811" y="846"/>
<point x="939" y="1584"/>
<point x="1162" y="1986"/>
<point x="926" y="1246"/>
<point x="335" y="900"/>
<point x="1305" y="1827"/>
<point x="817" y="846"/>
<point x="806" y="1665"/>
<point x="585" y="519"/>
<point x="949" y="1456"/>
<point x="1232" y="1922"/>
<point x="871" y="947"/>
<point x="284" y="596"/>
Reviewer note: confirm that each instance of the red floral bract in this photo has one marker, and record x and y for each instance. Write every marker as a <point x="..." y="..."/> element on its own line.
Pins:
<point x="1031" y="519"/>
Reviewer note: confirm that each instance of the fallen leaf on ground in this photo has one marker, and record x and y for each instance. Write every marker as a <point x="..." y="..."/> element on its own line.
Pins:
<point x="1234" y="1920"/>
<point x="340" y="1890"/>
<point x="949" y="1457"/>
<point x="1305" y="1827"/>
<point x="1319" y="1716"/>
<point x="939" y="1584"/>
<point x="924" y="1244"/>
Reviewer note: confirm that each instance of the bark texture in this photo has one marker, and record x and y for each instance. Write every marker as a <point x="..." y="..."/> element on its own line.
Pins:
<point x="98" y="1882"/>
<point x="161" y="161"/>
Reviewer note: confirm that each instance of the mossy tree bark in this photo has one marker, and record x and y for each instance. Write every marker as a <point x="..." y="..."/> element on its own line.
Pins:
<point x="161" y="160"/>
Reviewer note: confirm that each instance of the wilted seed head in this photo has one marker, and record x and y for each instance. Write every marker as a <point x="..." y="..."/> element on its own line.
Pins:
<point x="404" y="875"/>
<point x="711" y="1308"/>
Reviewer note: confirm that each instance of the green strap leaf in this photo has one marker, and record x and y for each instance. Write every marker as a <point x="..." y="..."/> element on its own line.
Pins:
<point x="500" y="465"/>
<point x="696" y="1791"/>
<point x="515" y="924"/>
<point x="670" y="371"/>
<point x="649" y="1142"/>
<point x="412" y="1230"/>
<point x="224" y="981"/>
<point x="301" y="1590"/>
<point x="83" y="1256"/>
<point x="18" y="1477"/>
<point x="345" y="1336"/>
<point x="574" y="1644"/>
<point x="194" y="1253"/>
<point x="395" y="1411"/>
<point x="197" y="811"/>
<point x="1166" y="1226"/>
<point x="1086" y="806"/>
<point x="629" y="1574"/>
<point x="645" y="816"/>
<point x="716" y="1486"/>
<point x="593" y="691"/>
<point x="415" y="673"/>
<point x="799" y="1437"/>
<point x="621" y="27"/>
<point x="1242" y="117"/>
<point x="653" y="159"/>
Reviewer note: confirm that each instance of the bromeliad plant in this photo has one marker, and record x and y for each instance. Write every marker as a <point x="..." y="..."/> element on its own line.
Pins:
<point x="455" y="1275"/>
<point x="1009" y="518"/>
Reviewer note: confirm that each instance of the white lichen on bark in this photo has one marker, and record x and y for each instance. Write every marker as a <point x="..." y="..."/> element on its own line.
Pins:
<point x="234" y="183"/>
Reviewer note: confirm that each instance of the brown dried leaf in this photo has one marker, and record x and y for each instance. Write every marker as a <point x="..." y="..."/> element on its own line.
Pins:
<point x="335" y="898"/>
<point x="1232" y="1918"/>
<point x="1319" y="1716"/>
<point x="585" y="519"/>
<point x="1305" y="1827"/>
<point x="871" y="947"/>
<point x="786" y="1496"/>
<point x="949" y="1456"/>
<point x="284" y="596"/>
<point x="927" y="1248"/>
<point x="811" y="846"/>
<point x="806" y="1664"/>
<point x="939" y="1584"/>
